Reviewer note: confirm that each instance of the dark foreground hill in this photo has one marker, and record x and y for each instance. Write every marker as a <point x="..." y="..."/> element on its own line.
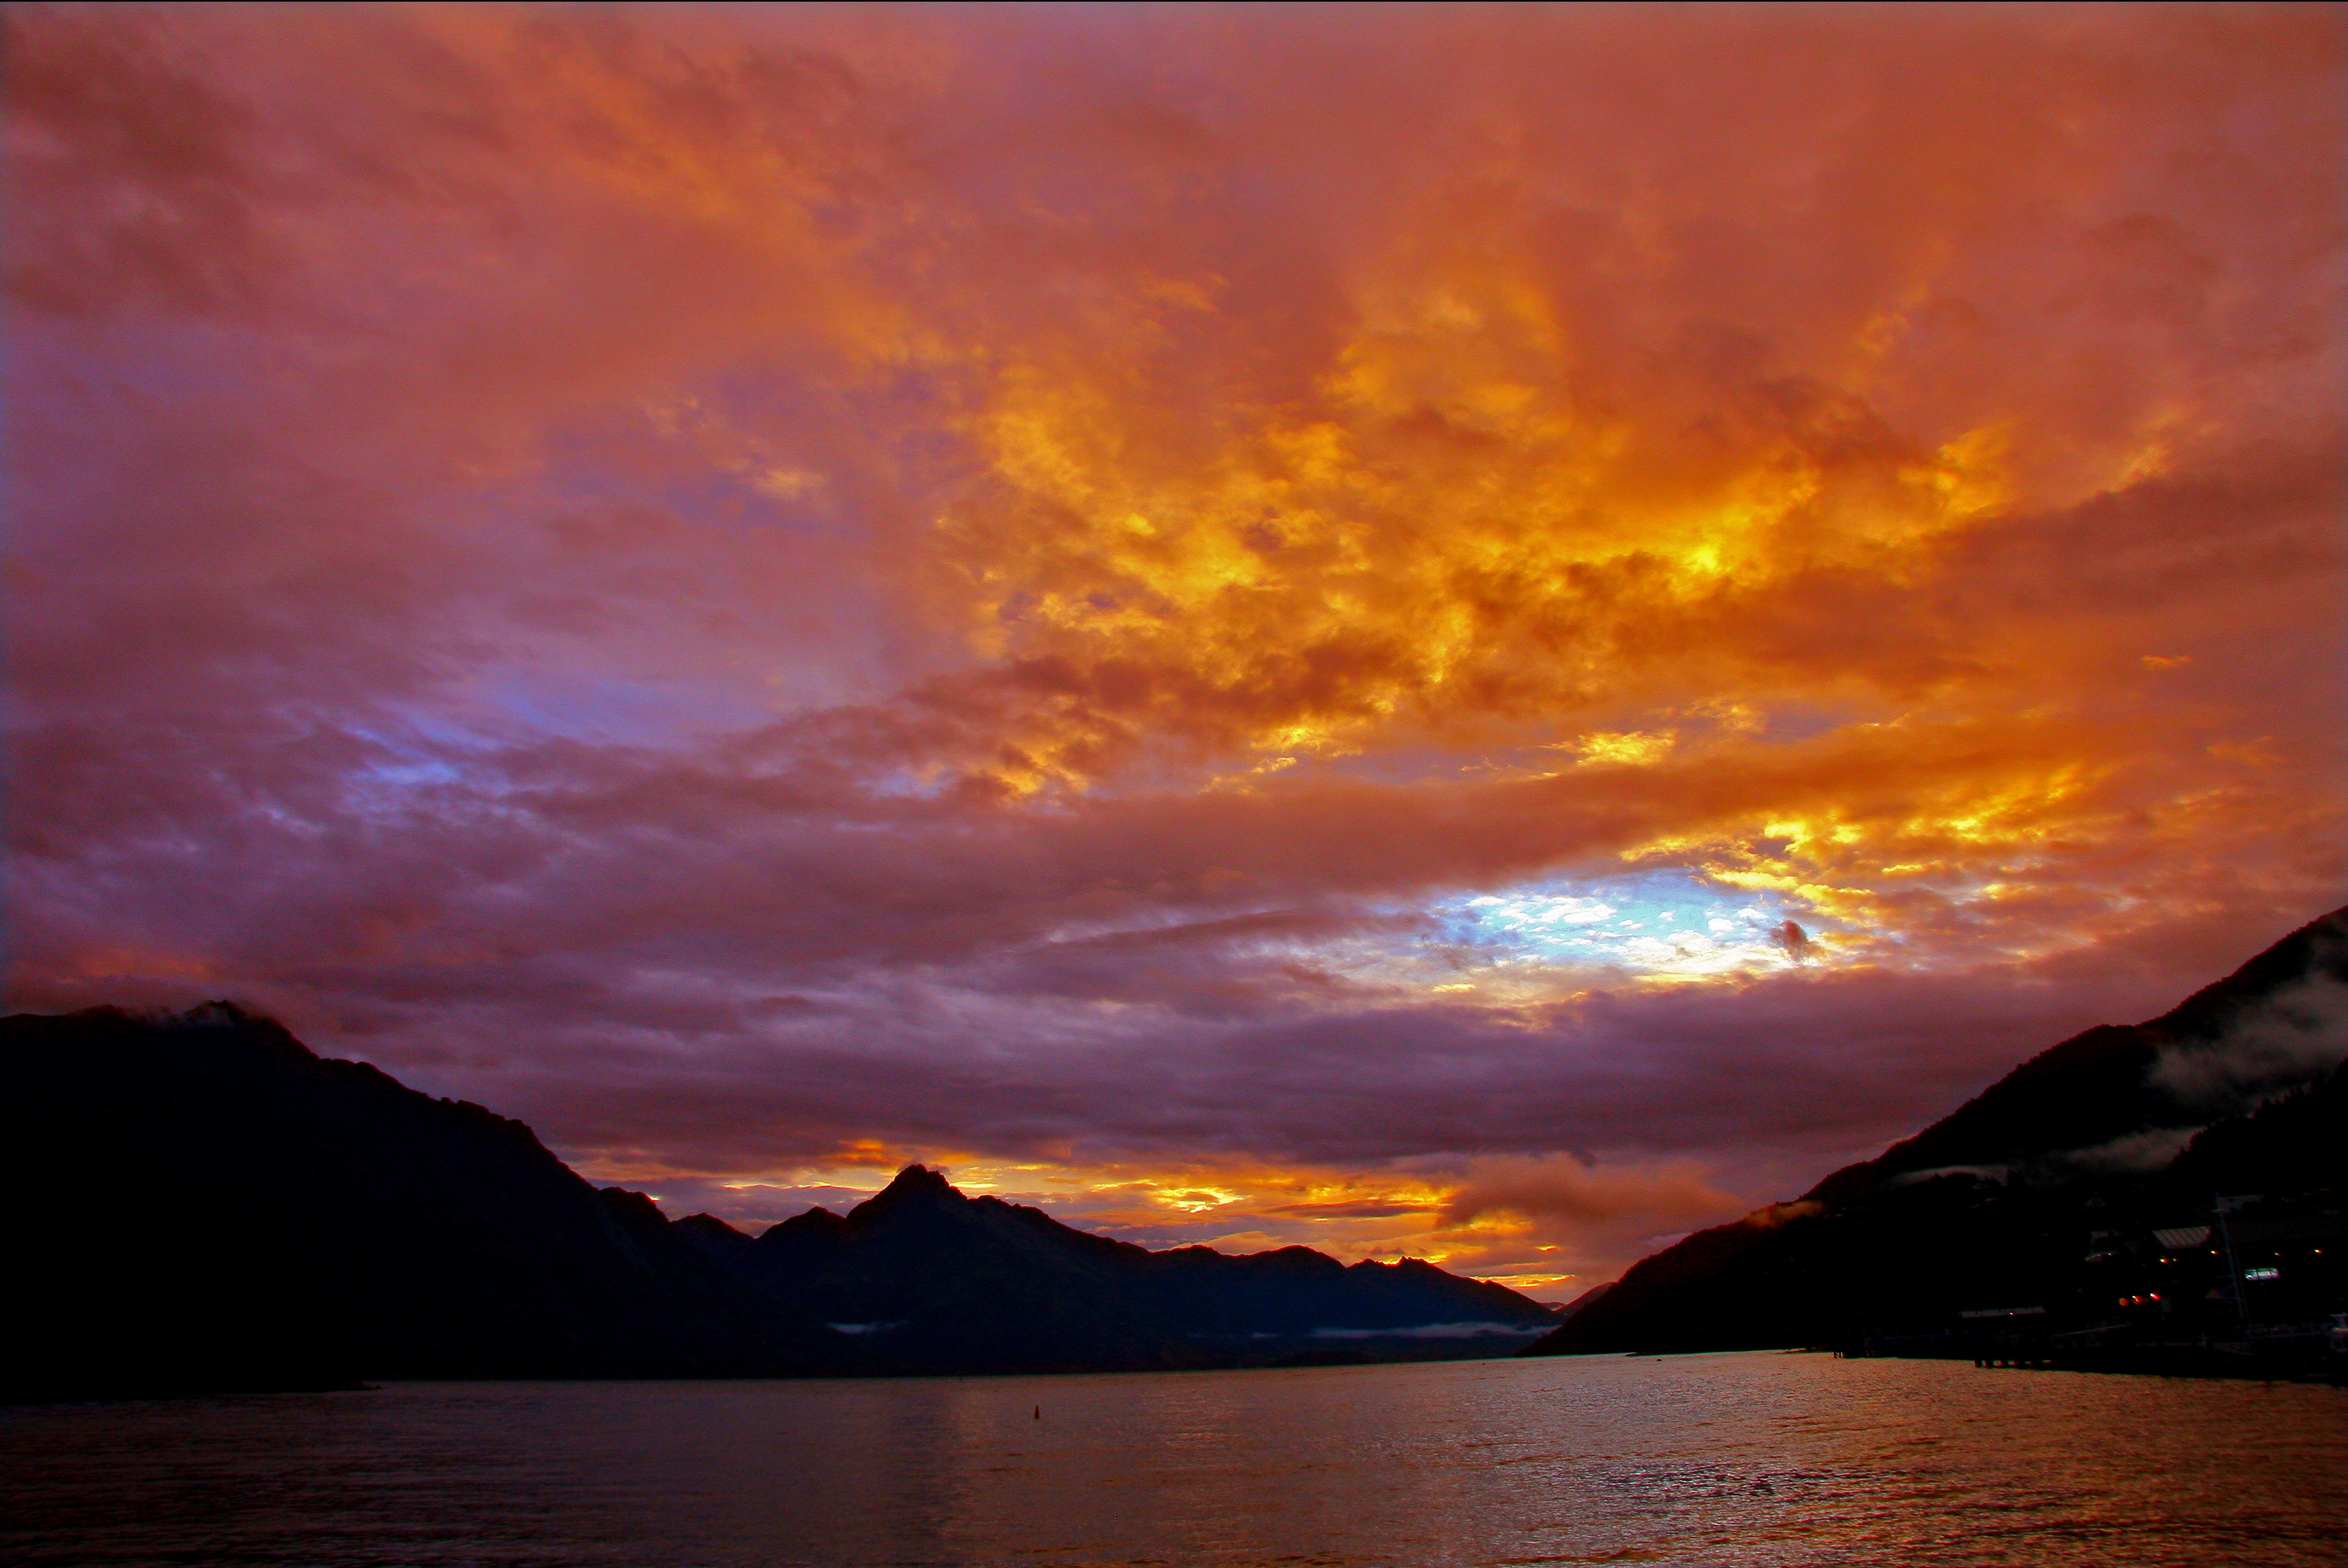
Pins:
<point x="931" y="1280"/>
<point x="2076" y="1198"/>
<point x="198" y="1202"/>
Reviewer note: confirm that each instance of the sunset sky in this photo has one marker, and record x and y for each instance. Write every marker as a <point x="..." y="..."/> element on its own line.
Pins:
<point x="1250" y="623"/>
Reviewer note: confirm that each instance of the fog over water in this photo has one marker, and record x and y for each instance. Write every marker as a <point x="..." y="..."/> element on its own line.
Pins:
<point x="1761" y="1459"/>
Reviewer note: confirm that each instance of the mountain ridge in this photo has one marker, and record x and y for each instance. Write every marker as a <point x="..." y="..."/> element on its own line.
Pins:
<point x="305" y="1222"/>
<point x="880" y="1266"/>
<point x="1993" y="1196"/>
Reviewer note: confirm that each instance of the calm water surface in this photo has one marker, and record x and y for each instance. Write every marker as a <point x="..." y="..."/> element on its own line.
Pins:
<point x="1759" y="1458"/>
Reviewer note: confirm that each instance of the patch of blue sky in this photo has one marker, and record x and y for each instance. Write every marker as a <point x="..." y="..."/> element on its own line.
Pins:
<point x="411" y="753"/>
<point x="1663" y="922"/>
<point x="910" y="784"/>
<point x="417" y="774"/>
<point x="607" y="708"/>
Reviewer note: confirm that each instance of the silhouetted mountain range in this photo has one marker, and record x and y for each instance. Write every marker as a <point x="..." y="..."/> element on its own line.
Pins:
<point x="931" y="1280"/>
<point x="2047" y="1196"/>
<point x="202" y="1203"/>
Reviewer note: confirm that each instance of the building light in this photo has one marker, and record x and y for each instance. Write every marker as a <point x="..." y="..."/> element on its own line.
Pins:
<point x="2263" y="1273"/>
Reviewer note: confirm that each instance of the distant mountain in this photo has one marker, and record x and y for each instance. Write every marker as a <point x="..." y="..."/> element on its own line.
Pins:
<point x="2044" y="1197"/>
<point x="931" y="1280"/>
<point x="199" y="1204"/>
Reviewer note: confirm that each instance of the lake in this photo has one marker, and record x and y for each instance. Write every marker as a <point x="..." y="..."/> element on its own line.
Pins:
<point x="1760" y="1459"/>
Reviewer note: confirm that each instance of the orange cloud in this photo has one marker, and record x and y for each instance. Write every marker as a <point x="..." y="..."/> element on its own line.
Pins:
<point x="758" y="584"/>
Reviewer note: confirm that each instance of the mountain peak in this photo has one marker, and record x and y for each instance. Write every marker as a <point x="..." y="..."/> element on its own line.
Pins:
<point x="914" y="1186"/>
<point x="2002" y="1187"/>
